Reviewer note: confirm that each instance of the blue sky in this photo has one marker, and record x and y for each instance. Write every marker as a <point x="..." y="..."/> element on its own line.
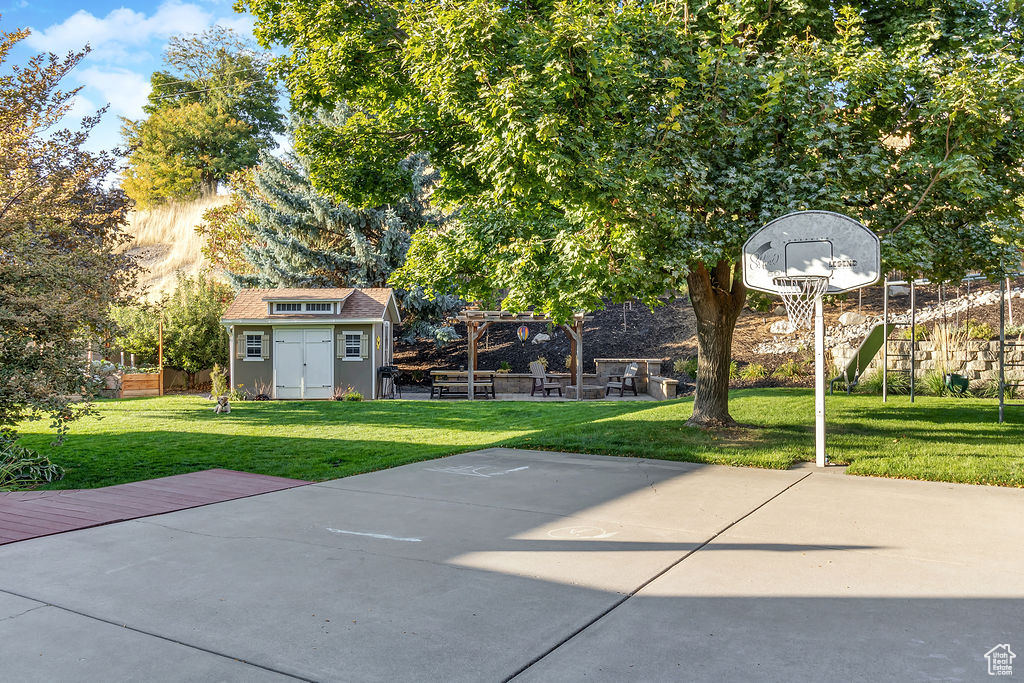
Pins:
<point x="127" y="40"/>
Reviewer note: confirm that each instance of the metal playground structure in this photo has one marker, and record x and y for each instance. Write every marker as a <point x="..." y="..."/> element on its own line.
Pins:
<point x="1006" y="386"/>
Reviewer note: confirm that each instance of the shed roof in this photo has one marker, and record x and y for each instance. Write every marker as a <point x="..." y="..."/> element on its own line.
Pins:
<point x="359" y="304"/>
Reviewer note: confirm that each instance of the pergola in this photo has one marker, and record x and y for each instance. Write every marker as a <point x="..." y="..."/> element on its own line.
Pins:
<point x="477" y="323"/>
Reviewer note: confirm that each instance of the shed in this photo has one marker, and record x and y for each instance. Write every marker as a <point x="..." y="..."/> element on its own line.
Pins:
<point x="308" y="343"/>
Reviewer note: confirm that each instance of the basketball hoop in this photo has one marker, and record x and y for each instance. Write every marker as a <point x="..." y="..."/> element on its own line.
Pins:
<point x="798" y="295"/>
<point x="800" y="257"/>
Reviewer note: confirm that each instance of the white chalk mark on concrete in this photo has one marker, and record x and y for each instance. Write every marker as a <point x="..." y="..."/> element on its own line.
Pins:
<point x="581" y="532"/>
<point x="383" y="537"/>
<point x="475" y="470"/>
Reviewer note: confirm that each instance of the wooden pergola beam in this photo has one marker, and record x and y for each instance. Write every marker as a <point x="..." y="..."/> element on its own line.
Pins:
<point x="477" y="323"/>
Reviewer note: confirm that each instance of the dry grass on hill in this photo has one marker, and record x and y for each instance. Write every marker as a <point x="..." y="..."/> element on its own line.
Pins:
<point x="166" y="242"/>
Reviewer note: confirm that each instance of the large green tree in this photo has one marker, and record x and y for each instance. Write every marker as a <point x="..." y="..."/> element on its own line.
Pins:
<point x="628" y="149"/>
<point x="60" y="237"/>
<point x="210" y="113"/>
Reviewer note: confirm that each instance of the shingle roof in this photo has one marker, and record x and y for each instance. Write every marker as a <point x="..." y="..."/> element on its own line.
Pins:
<point x="360" y="304"/>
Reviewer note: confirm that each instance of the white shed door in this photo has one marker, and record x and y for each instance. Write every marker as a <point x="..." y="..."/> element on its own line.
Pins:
<point x="319" y="370"/>
<point x="303" y="363"/>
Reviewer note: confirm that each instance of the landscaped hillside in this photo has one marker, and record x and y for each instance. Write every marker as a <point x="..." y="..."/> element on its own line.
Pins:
<point x="166" y="242"/>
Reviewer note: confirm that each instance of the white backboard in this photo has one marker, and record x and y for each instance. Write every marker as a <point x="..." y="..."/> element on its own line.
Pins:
<point x="812" y="243"/>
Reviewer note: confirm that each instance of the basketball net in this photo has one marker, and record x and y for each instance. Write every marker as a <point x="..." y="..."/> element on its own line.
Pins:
<point x="798" y="295"/>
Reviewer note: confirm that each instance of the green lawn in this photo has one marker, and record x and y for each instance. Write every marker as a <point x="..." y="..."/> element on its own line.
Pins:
<point x="935" y="438"/>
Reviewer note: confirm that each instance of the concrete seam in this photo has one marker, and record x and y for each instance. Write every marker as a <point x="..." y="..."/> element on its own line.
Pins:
<point x="646" y="583"/>
<point x="158" y="636"/>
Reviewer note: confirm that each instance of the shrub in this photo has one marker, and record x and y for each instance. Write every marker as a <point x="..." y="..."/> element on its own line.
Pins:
<point x="791" y="368"/>
<point x="760" y="302"/>
<point x="734" y="370"/>
<point x="218" y="381"/>
<point x="543" y="361"/>
<point x="978" y="330"/>
<point x="932" y="383"/>
<point x="264" y="390"/>
<point x="920" y="333"/>
<point x="568" y="361"/>
<point x="1014" y="331"/>
<point x="23" y="468"/>
<point x="990" y="389"/>
<point x="753" y="371"/>
<point x="238" y="393"/>
<point x="950" y="342"/>
<point x="899" y="383"/>
<point x="347" y="394"/>
<point x="505" y="367"/>
<point x="685" y="366"/>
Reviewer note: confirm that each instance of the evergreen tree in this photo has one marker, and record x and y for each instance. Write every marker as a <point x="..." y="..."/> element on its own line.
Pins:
<point x="295" y="236"/>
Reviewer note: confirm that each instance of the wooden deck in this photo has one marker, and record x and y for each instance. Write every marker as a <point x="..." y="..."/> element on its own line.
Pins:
<point x="30" y="514"/>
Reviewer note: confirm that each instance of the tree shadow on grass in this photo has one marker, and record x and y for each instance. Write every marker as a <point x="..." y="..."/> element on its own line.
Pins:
<point x="409" y="414"/>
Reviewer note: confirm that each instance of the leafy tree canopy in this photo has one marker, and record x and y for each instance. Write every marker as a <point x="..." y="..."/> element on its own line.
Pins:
<point x="60" y="237"/>
<point x="209" y="114"/>
<point x="620" y="149"/>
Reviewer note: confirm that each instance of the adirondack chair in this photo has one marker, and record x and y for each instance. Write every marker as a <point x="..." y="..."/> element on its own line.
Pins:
<point x="627" y="380"/>
<point x="540" y="380"/>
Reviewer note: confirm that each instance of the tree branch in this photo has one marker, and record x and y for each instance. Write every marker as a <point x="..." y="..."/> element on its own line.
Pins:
<point x="935" y="179"/>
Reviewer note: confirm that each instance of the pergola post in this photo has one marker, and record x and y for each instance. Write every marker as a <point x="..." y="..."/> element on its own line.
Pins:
<point x="471" y="333"/>
<point x="572" y="358"/>
<point x="579" y="359"/>
<point x="477" y="323"/>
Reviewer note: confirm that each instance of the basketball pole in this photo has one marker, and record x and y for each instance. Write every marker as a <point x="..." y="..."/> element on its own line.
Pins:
<point x="819" y="383"/>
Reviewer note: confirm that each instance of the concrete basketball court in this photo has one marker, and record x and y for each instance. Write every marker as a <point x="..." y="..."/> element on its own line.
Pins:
<point x="499" y="564"/>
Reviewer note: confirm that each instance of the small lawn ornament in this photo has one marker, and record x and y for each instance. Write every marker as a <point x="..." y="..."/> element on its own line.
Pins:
<point x="223" y="405"/>
<point x="523" y="332"/>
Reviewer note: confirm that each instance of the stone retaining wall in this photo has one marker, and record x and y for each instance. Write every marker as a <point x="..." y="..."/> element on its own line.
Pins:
<point x="520" y="383"/>
<point x="978" y="361"/>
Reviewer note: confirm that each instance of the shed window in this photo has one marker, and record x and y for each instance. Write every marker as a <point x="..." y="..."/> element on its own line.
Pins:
<point x="353" y="344"/>
<point x="319" y="307"/>
<point x="287" y="307"/>
<point x="254" y="346"/>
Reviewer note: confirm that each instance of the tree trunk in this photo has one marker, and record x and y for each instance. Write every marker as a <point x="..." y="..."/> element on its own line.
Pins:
<point x="717" y="296"/>
<point x="208" y="186"/>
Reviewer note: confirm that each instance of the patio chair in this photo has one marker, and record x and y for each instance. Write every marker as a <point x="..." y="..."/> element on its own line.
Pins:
<point x="540" y="380"/>
<point x="627" y="380"/>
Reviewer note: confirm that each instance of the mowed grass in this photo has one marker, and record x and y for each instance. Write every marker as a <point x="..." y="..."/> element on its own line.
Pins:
<point x="934" y="438"/>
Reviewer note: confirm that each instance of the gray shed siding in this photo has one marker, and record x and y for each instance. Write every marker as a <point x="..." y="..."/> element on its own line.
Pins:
<point x="358" y="374"/>
<point x="249" y="372"/>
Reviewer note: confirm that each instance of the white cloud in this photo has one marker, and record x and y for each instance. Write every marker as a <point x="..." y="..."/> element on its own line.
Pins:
<point x="125" y="90"/>
<point x="123" y="32"/>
